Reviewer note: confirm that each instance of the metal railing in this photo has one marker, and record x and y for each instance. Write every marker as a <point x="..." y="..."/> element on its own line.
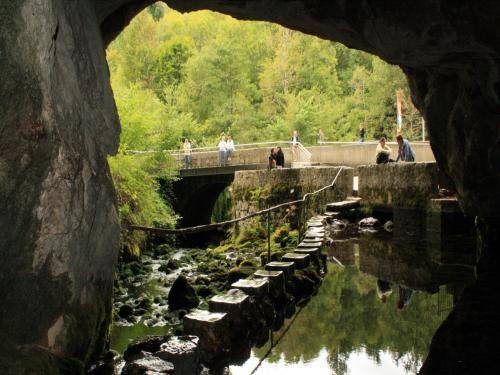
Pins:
<point x="243" y="154"/>
<point x="224" y="224"/>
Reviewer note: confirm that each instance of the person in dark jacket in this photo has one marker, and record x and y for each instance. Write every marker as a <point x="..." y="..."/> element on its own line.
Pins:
<point x="280" y="158"/>
<point x="272" y="159"/>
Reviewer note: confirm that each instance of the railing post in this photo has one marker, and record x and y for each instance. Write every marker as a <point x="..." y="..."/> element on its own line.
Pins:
<point x="268" y="236"/>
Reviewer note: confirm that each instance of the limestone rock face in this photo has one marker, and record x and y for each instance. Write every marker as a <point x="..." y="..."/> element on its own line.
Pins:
<point x="58" y="225"/>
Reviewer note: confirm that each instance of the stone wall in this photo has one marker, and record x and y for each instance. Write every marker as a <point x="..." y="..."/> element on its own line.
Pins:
<point x="255" y="190"/>
<point x="408" y="185"/>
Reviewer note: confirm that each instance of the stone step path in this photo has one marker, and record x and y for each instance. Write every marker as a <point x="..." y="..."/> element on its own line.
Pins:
<point x="227" y="311"/>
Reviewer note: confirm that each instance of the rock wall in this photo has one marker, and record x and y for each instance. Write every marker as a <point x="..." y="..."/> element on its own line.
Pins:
<point x="59" y="230"/>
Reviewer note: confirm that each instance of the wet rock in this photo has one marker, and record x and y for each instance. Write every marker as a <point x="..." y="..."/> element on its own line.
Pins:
<point x="338" y="224"/>
<point x="169" y="266"/>
<point x="389" y="226"/>
<point x="369" y="222"/>
<point x="183" y="352"/>
<point x="240" y="272"/>
<point x="149" y="365"/>
<point x="125" y="311"/>
<point x="146" y="344"/>
<point x="182" y="295"/>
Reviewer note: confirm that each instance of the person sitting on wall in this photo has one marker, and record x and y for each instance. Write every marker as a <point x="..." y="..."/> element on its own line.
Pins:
<point x="272" y="159"/>
<point x="383" y="152"/>
<point x="405" y="152"/>
<point x="280" y="158"/>
<point x="405" y="294"/>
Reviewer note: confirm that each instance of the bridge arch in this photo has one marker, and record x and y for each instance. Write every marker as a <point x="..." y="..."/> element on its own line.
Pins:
<point x="59" y="227"/>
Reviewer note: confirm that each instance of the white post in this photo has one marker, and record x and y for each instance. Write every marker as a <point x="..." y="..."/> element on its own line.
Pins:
<point x="423" y="129"/>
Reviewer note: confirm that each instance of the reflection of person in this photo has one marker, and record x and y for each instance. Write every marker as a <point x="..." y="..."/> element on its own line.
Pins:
<point x="384" y="290"/>
<point x="272" y="159"/>
<point x="186" y="147"/>
<point x="405" y="152"/>
<point x="362" y="134"/>
<point x="321" y="136"/>
<point x="222" y="151"/>
<point x="229" y="147"/>
<point x="404" y="296"/>
<point x="280" y="158"/>
<point x="383" y="152"/>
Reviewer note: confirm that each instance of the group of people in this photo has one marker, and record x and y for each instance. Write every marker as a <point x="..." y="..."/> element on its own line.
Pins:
<point x="226" y="149"/>
<point x="276" y="158"/>
<point x="225" y="146"/>
<point x="383" y="152"/>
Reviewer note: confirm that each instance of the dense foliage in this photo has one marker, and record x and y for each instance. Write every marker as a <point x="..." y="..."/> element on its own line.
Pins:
<point x="202" y="74"/>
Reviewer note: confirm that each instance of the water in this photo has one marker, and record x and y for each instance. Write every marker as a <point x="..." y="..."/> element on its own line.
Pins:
<point x="347" y="328"/>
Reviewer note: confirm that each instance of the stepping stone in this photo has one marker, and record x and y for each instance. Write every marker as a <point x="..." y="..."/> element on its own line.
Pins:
<point x="276" y="279"/>
<point x="301" y="260"/>
<point x="287" y="267"/>
<point x="313" y="252"/>
<point x="316" y="230"/>
<point x="212" y="329"/>
<point x="309" y="245"/>
<point x="234" y="302"/>
<point x="315" y="224"/>
<point x="312" y="239"/>
<point x="343" y="205"/>
<point x="255" y="287"/>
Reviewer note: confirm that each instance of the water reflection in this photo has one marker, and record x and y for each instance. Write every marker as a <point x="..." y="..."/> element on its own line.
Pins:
<point x="347" y="328"/>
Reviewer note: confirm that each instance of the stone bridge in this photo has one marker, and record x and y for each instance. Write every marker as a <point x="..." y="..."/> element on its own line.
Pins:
<point x="197" y="190"/>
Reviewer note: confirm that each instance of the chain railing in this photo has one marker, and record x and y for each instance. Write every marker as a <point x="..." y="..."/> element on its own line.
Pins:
<point x="224" y="224"/>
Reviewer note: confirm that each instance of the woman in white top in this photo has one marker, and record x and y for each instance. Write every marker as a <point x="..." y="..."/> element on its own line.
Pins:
<point x="186" y="147"/>
<point x="222" y="151"/>
<point x="229" y="147"/>
<point x="383" y="152"/>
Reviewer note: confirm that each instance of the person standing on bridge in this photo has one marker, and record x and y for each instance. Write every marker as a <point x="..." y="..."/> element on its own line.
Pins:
<point x="186" y="147"/>
<point x="405" y="152"/>
<point x="222" y="151"/>
<point x="229" y="148"/>
<point x="362" y="133"/>
<point x="295" y="144"/>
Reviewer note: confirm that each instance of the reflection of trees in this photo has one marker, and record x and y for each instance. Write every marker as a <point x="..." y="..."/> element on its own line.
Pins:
<point x="347" y="316"/>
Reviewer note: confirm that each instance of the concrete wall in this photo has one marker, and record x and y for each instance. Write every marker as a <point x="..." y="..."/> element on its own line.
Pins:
<point x="409" y="185"/>
<point x="355" y="153"/>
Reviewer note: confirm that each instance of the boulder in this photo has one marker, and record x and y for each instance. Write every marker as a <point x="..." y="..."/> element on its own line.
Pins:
<point x="146" y="344"/>
<point x="148" y="365"/>
<point x="183" y="352"/>
<point x="182" y="295"/>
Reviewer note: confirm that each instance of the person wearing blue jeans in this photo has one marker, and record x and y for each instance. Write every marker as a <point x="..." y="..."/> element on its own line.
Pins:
<point x="222" y="151"/>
